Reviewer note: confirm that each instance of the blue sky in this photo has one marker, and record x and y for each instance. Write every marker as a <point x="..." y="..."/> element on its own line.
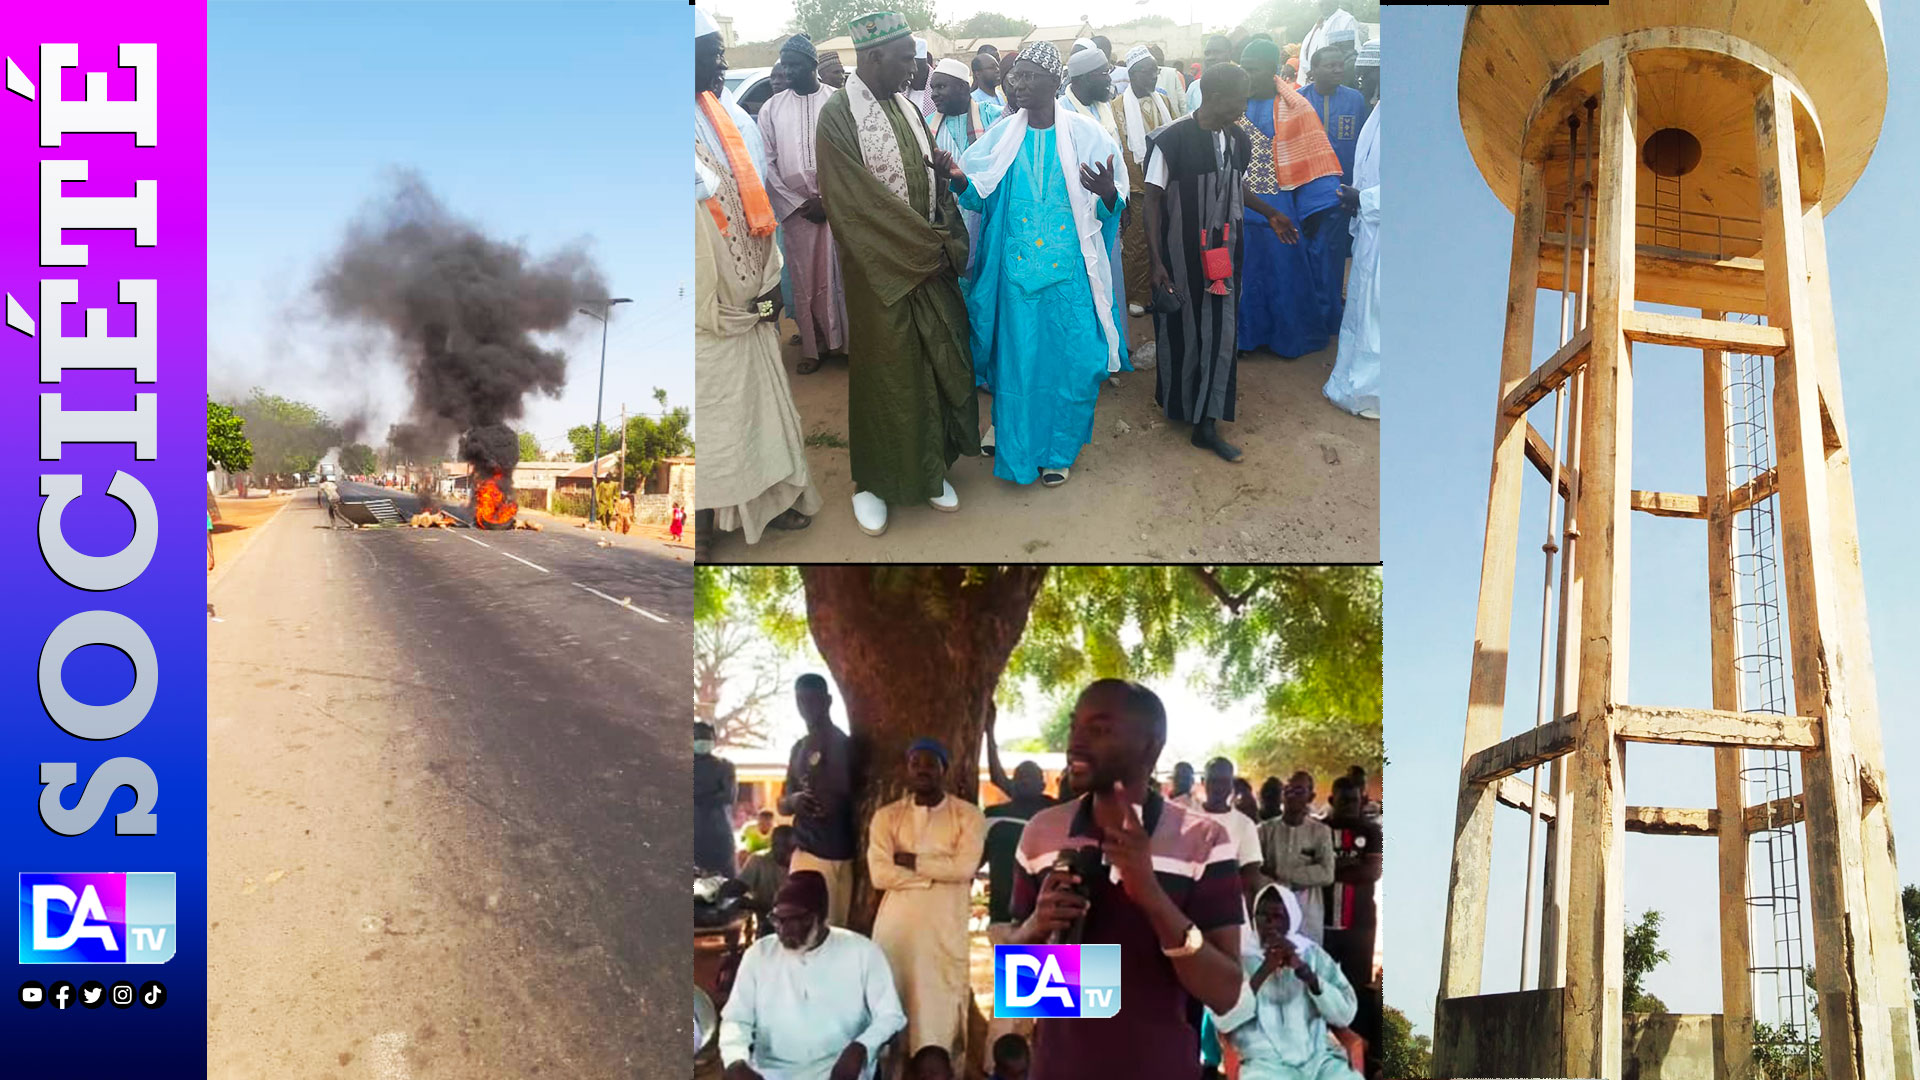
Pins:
<point x="541" y="122"/>
<point x="1446" y="251"/>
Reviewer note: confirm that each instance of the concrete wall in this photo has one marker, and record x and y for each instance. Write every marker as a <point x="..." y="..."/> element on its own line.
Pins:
<point x="653" y="509"/>
<point x="1515" y="1034"/>
<point x="1672" y="1046"/>
<point x="1518" y="1034"/>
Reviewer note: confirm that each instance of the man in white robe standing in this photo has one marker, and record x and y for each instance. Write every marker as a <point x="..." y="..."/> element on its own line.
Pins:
<point x="753" y="452"/>
<point x="1087" y="89"/>
<point x="1332" y="17"/>
<point x="787" y="123"/>
<point x="1355" y="382"/>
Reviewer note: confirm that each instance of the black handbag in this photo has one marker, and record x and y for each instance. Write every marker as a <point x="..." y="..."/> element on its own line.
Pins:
<point x="1166" y="301"/>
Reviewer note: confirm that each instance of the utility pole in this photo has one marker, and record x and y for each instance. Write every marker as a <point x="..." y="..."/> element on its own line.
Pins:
<point x="593" y="489"/>
<point x="623" y="450"/>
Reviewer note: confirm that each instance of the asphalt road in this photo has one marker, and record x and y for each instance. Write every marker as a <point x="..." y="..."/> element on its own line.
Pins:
<point x="447" y="805"/>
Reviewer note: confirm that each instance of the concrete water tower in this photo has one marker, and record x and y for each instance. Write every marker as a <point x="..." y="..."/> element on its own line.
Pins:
<point x="1680" y="153"/>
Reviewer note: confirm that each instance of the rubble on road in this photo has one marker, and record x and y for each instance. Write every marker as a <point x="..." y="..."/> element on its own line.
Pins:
<point x="435" y="519"/>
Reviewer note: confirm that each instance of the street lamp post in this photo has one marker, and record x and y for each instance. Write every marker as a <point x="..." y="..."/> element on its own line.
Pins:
<point x="593" y="490"/>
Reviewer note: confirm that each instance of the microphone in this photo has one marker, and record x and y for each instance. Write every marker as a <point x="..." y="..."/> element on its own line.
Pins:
<point x="1085" y="863"/>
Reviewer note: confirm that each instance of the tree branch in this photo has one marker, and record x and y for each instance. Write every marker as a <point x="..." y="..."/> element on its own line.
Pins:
<point x="1227" y="600"/>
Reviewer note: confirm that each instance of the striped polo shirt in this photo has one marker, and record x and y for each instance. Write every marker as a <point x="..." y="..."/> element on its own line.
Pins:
<point x="1196" y="863"/>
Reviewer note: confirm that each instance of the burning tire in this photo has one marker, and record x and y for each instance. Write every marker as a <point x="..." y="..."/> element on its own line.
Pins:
<point x="492" y="508"/>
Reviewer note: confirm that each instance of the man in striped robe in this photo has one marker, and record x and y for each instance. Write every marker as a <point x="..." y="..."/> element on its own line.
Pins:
<point x="1195" y="196"/>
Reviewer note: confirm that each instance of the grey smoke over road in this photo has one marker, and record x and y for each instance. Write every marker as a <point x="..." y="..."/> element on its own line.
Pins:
<point x="461" y="309"/>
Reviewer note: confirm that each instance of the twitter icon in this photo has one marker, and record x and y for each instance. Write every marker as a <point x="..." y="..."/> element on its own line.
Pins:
<point x="92" y="994"/>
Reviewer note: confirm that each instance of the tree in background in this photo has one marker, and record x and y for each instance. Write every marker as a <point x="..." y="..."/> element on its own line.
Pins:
<point x="581" y="439"/>
<point x="227" y="444"/>
<point x="923" y="650"/>
<point x="529" y="447"/>
<point x="992" y="24"/>
<point x="1643" y="954"/>
<point x="288" y="436"/>
<point x="823" y="19"/>
<point x="359" y="460"/>
<point x="1305" y="640"/>
<point x="1403" y="1055"/>
<point x="1910" y="910"/>
<point x="723" y="656"/>
<point x="651" y="440"/>
<point x="1780" y="1054"/>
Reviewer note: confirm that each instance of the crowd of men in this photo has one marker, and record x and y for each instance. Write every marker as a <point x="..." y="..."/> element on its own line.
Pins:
<point x="1243" y="923"/>
<point x="955" y="229"/>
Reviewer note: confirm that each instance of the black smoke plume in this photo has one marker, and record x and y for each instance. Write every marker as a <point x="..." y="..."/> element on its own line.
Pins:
<point x="462" y="309"/>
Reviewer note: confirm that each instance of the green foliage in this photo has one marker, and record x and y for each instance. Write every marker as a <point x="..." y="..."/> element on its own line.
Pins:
<point x="1779" y="1055"/>
<point x="288" y="436"/>
<point x="359" y="460"/>
<point x="227" y="444"/>
<point x="1910" y="910"/>
<point x="652" y="439"/>
<point x="568" y="503"/>
<point x="1055" y="729"/>
<point x="992" y="24"/>
<point x="649" y="440"/>
<point x="823" y="19"/>
<point x="1305" y="641"/>
<point x="529" y="447"/>
<point x="771" y="593"/>
<point x="581" y="439"/>
<point x="1403" y="1055"/>
<point x="1643" y="954"/>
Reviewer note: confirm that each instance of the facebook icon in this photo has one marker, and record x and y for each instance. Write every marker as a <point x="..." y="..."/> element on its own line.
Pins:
<point x="1032" y="981"/>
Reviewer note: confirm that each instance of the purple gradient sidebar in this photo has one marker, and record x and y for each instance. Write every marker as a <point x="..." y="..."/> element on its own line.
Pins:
<point x="160" y="724"/>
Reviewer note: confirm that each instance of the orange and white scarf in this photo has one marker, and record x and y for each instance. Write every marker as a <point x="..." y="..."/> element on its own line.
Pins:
<point x="1301" y="152"/>
<point x="753" y="194"/>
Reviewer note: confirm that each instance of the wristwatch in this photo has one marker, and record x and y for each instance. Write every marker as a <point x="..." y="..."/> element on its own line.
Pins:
<point x="1189" y="945"/>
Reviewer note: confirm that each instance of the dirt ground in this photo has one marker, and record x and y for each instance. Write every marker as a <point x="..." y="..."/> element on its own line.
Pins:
<point x="660" y="533"/>
<point x="239" y="523"/>
<point x="1307" y="490"/>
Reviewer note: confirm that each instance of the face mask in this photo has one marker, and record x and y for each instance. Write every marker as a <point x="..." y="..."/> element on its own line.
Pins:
<point x="703" y="746"/>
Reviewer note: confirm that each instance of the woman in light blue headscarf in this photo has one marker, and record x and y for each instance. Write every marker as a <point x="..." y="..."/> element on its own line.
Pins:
<point x="1293" y="994"/>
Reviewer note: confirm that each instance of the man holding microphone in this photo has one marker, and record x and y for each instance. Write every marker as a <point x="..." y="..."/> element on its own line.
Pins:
<point x="1168" y="894"/>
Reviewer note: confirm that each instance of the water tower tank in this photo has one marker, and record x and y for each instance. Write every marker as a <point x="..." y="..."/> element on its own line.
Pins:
<point x="1520" y="65"/>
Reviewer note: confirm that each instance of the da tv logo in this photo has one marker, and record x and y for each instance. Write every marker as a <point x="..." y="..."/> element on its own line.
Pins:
<point x="1056" y="981"/>
<point x="96" y="918"/>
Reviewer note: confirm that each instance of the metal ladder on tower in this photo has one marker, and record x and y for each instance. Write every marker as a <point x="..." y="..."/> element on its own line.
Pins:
<point x="1774" y="902"/>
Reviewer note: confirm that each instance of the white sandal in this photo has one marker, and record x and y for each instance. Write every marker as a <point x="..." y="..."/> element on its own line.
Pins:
<point x="948" y="501"/>
<point x="1054" y="477"/>
<point x="870" y="512"/>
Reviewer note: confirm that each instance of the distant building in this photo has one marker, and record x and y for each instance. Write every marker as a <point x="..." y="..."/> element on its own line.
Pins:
<point x="671" y="476"/>
<point x="579" y="477"/>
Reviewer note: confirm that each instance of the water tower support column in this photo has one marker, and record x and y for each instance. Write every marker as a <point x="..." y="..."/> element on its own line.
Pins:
<point x="1596" y="903"/>
<point x="1855" y="1031"/>
<point x="1466" y="930"/>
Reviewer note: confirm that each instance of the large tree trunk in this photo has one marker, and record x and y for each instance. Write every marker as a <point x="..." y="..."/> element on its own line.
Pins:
<point x="915" y="650"/>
